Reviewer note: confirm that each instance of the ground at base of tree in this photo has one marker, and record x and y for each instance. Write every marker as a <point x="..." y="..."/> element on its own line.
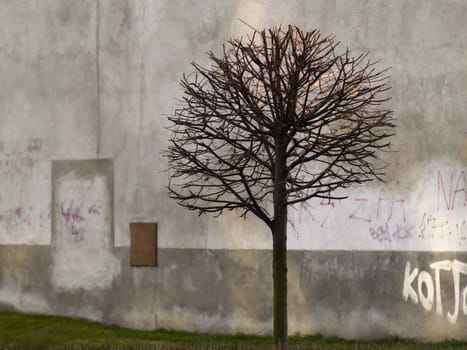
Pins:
<point x="26" y="331"/>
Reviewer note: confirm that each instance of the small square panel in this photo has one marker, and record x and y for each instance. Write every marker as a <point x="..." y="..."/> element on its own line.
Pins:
<point x="143" y="244"/>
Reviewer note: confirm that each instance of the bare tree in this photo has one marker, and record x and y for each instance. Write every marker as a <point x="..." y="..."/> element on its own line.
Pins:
<point x="279" y="117"/>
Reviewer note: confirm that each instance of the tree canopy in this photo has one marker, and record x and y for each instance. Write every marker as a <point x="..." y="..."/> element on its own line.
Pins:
<point x="291" y="85"/>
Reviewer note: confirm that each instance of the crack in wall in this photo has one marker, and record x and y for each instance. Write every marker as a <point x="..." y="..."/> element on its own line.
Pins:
<point x="98" y="85"/>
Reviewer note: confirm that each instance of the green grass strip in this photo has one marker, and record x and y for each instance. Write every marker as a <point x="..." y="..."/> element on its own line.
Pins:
<point x="31" y="331"/>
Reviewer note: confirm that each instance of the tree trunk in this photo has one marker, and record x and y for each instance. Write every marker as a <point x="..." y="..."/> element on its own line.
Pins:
<point x="279" y="265"/>
<point x="279" y="268"/>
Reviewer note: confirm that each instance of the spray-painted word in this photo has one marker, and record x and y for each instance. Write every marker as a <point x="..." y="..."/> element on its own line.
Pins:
<point x="388" y="234"/>
<point x="419" y="286"/>
<point x="452" y="195"/>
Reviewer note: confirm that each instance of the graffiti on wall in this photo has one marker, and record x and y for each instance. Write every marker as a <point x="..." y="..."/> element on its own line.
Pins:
<point x="76" y="213"/>
<point x="82" y="209"/>
<point x="24" y="198"/>
<point x="364" y="209"/>
<point x="384" y="217"/>
<point x="445" y="220"/>
<point x="423" y="287"/>
<point x="16" y="216"/>
<point x="451" y="193"/>
<point x="394" y="215"/>
<point x="430" y="213"/>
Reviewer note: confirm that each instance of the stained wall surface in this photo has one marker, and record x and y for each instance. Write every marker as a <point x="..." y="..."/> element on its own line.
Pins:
<point x="85" y="90"/>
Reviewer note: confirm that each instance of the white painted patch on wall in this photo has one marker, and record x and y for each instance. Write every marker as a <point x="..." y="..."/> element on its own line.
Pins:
<point x="82" y="247"/>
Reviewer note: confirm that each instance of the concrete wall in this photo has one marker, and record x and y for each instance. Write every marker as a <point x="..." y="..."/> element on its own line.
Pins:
<point x="85" y="90"/>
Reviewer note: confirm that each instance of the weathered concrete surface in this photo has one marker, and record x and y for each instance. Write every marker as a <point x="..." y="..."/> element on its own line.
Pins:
<point x="350" y="294"/>
<point x="146" y="46"/>
<point x="48" y="106"/>
<point x="94" y="81"/>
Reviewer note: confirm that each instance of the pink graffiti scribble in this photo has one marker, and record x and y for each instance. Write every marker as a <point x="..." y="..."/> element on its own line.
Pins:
<point x="76" y="214"/>
<point x="330" y="204"/>
<point x="66" y="213"/>
<point x="17" y="216"/>
<point x="70" y="212"/>
<point x="77" y="232"/>
<point x="357" y="214"/>
<point x="388" y="233"/>
<point x="448" y="195"/>
<point x="95" y="209"/>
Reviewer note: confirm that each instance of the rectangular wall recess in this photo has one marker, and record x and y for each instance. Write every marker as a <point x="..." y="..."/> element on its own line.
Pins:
<point x="143" y="244"/>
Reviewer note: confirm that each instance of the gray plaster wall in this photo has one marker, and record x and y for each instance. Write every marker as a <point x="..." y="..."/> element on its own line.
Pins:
<point x="350" y="294"/>
<point x="85" y="90"/>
